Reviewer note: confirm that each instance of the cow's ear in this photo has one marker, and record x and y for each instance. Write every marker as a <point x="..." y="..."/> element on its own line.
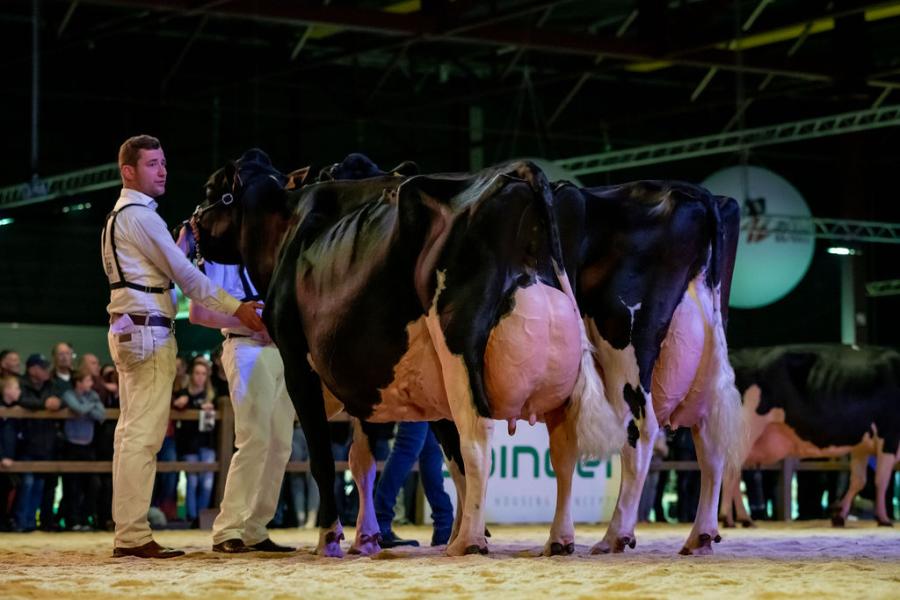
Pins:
<point x="297" y="178"/>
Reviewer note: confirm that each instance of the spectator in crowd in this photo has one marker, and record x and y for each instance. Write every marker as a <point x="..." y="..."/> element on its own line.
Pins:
<point x="38" y="438"/>
<point x="80" y="489"/>
<point x="61" y="360"/>
<point x="11" y="391"/>
<point x="165" y="489"/>
<point x="414" y="441"/>
<point x="10" y="364"/>
<point x="196" y="443"/>
<point x="298" y="504"/>
<point x="219" y="376"/>
<point x="108" y="391"/>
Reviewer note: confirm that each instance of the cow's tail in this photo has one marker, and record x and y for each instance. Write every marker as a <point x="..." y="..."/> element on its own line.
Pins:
<point x="724" y="420"/>
<point x="597" y="428"/>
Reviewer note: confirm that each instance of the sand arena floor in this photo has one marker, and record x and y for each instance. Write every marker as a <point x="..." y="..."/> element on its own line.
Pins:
<point x="774" y="561"/>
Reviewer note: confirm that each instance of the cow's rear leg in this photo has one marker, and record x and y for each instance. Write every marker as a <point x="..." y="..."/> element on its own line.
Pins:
<point x="733" y="500"/>
<point x="884" y="469"/>
<point x="711" y="458"/>
<point x="474" y="435"/>
<point x="563" y="456"/>
<point x="362" y="466"/>
<point x="636" y="455"/>
<point x="858" y="460"/>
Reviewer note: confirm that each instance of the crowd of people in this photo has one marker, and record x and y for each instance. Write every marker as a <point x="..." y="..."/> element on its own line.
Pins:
<point x="81" y="501"/>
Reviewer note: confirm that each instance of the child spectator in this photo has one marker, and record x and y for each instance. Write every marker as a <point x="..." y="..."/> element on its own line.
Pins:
<point x="80" y="489"/>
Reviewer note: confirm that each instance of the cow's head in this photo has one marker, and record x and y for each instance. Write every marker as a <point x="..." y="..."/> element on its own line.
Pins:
<point x="236" y="194"/>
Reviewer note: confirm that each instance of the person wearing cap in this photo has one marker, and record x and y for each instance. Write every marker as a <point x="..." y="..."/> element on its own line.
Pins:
<point x="38" y="438"/>
<point x="141" y="261"/>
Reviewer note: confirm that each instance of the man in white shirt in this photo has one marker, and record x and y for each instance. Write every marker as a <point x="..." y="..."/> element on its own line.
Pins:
<point x="263" y="422"/>
<point x="141" y="261"/>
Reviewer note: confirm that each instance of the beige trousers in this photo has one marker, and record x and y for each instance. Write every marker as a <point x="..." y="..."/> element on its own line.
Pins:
<point x="263" y="427"/>
<point x="145" y="360"/>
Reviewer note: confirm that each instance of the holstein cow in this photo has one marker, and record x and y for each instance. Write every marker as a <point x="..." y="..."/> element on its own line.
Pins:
<point x="438" y="297"/>
<point x="652" y="264"/>
<point x="820" y="401"/>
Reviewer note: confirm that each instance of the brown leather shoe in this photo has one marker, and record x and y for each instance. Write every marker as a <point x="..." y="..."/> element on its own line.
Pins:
<point x="233" y="546"/>
<point x="267" y="545"/>
<point x="149" y="550"/>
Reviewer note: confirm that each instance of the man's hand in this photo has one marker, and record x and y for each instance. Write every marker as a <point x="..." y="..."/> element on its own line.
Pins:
<point x="6" y="462"/>
<point x="246" y="312"/>
<point x="52" y="403"/>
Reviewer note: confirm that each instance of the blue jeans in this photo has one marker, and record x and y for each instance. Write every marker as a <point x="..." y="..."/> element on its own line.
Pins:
<point x="28" y="498"/>
<point x="414" y="441"/>
<point x="199" y="490"/>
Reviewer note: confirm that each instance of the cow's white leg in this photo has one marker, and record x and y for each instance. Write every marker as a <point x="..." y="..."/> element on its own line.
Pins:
<point x="711" y="459"/>
<point x="459" y="481"/>
<point x="884" y="469"/>
<point x="635" y="464"/>
<point x="474" y="438"/>
<point x="858" y="460"/>
<point x="362" y="467"/>
<point x="563" y="456"/>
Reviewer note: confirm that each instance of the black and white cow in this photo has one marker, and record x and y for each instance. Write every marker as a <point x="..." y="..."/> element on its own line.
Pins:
<point x="438" y="297"/>
<point x="820" y="401"/>
<point x="651" y="263"/>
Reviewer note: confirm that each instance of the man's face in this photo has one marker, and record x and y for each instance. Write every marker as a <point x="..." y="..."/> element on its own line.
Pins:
<point x="12" y="364"/>
<point x="149" y="175"/>
<point x="63" y="357"/>
<point x="92" y="363"/>
<point x="38" y="374"/>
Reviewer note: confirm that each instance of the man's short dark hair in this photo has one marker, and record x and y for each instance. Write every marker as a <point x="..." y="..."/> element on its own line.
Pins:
<point x="130" y="150"/>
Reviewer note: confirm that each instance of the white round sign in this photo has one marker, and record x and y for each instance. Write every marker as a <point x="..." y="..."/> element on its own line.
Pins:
<point x="772" y="256"/>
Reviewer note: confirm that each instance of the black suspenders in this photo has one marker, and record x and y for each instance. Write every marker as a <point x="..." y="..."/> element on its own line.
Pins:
<point x="248" y="289"/>
<point x="123" y="283"/>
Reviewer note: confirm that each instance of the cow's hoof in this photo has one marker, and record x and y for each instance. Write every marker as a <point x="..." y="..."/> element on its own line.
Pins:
<point x="330" y="545"/>
<point x="702" y="547"/>
<point x="460" y="548"/>
<point x="727" y="523"/>
<point x="557" y="549"/>
<point x="883" y="523"/>
<point x="366" y="544"/>
<point x="838" y="521"/>
<point x="747" y="524"/>
<point x="621" y="542"/>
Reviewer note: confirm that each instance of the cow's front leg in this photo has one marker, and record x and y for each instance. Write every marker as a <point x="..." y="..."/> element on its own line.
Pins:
<point x="636" y="455"/>
<point x="563" y="456"/>
<point x="858" y="460"/>
<point x="884" y="469"/>
<point x="362" y="467"/>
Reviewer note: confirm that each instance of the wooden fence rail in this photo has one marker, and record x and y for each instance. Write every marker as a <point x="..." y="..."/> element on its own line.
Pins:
<point x="225" y="418"/>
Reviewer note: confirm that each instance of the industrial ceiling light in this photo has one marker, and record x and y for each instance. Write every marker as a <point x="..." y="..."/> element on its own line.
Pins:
<point x="6" y="221"/>
<point x="842" y="251"/>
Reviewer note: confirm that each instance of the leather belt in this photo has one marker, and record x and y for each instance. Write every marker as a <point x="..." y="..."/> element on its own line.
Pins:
<point x="230" y="336"/>
<point x="149" y="320"/>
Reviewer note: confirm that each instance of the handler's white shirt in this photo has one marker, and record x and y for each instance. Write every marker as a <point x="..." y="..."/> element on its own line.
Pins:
<point x="148" y="256"/>
<point x="229" y="277"/>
